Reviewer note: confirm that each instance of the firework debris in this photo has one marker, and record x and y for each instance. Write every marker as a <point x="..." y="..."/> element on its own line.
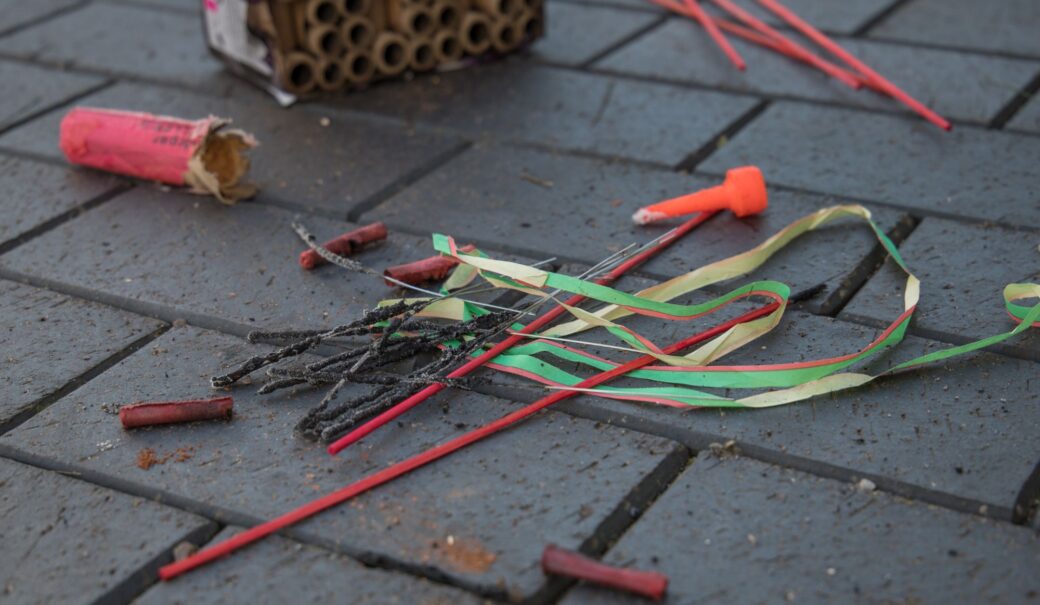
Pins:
<point x="203" y="155"/>
<point x="562" y="562"/>
<point x="434" y="268"/>
<point x="347" y="244"/>
<point x="173" y="412"/>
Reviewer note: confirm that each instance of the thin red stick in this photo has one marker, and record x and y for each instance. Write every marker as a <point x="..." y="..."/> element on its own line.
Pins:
<point x="562" y="562"/>
<point x="832" y="47"/>
<point x="365" y="429"/>
<point x="805" y="54"/>
<point x="694" y="10"/>
<point x="393" y="471"/>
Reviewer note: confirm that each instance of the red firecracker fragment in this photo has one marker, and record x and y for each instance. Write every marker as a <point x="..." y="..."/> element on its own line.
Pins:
<point x="201" y="154"/>
<point x="347" y="244"/>
<point x="434" y="268"/>
<point x="562" y="562"/>
<point x="171" y="412"/>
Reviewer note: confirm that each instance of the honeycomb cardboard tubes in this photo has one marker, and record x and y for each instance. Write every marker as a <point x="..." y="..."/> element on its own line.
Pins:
<point x="358" y="67"/>
<point x="330" y="75"/>
<point x="446" y="15"/>
<point x="324" y="41"/>
<point x="299" y="73"/>
<point x="528" y="26"/>
<point x="422" y="57"/>
<point x="498" y="9"/>
<point x="319" y="12"/>
<point x="504" y="37"/>
<point x="357" y="33"/>
<point x="412" y="20"/>
<point x="283" y="20"/>
<point x="390" y="53"/>
<point x="475" y="33"/>
<point x="357" y="7"/>
<point x="446" y="47"/>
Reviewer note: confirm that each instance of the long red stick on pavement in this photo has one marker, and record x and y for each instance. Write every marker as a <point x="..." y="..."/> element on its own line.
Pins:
<point x="168" y="572"/>
<point x="694" y="10"/>
<point x="369" y="427"/>
<point x="774" y="44"/>
<point x="778" y="47"/>
<point x="832" y="47"/>
<point x="805" y="54"/>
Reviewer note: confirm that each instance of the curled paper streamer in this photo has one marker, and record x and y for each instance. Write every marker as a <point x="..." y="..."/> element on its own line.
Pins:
<point x="679" y="377"/>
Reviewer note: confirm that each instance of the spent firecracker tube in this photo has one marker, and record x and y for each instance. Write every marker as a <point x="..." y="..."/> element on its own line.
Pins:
<point x="200" y="154"/>
<point x="345" y="245"/>
<point x="172" y="412"/>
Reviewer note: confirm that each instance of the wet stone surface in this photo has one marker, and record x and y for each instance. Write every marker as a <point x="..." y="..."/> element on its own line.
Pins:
<point x="481" y="516"/>
<point x="283" y="570"/>
<point x="50" y="339"/>
<point x="171" y="251"/>
<point x="1028" y="118"/>
<point x="23" y="14"/>
<point x="807" y="539"/>
<point x="955" y="307"/>
<point x="578" y="33"/>
<point x="965" y="427"/>
<point x="300" y="161"/>
<point x="1002" y="27"/>
<point x="969" y="172"/>
<point x="564" y="109"/>
<point x="538" y="201"/>
<point x="681" y="51"/>
<point x="29" y="89"/>
<point x="166" y="45"/>
<point x="58" y="549"/>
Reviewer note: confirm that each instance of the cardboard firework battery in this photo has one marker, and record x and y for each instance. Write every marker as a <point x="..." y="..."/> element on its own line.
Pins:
<point x="200" y="154"/>
<point x="295" y="48"/>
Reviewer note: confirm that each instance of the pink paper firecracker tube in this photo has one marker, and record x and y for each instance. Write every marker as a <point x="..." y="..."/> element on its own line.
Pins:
<point x="200" y="154"/>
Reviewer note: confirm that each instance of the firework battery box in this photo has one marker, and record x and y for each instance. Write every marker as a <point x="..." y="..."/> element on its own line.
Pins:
<point x="297" y="48"/>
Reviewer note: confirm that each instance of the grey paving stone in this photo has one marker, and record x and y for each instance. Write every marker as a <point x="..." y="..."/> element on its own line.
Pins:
<point x="284" y="571"/>
<point x="49" y="339"/>
<point x="564" y="109"/>
<point x="682" y="51"/>
<point x="501" y="195"/>
<point x="553" y="478"/>
<point x="964" y="429"/>
<point x="1028" y="118"/>
<point x="334" y="167"/>
<point x="36" y="192"/>
<point x="576" y="33"/>
<point x="1008" y="26"/>
<point x="631" y="4"/>
<point x="840" y="17"/>
<point x="201" y="259"/>
<point x="963" y="270"/>
<point x="28" y="89"/>
<point x="20" y="14"/>
<point x="67" y="541"/>
<point x="166" y="45"/>
<point x="967" y="172"/>
<point x="742" y="531"/>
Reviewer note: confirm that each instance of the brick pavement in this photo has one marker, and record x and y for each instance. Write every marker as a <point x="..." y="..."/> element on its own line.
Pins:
<point x="113" y="291"/>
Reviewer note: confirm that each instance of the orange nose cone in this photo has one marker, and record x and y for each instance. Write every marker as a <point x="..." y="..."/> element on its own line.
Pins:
<point x="743" y="192"/>
<point x="746" y="189"/>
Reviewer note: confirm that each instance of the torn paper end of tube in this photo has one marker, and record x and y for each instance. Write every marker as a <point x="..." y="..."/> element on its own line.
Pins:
<point x="643" y="216"/>
<point x="200" y="154"/>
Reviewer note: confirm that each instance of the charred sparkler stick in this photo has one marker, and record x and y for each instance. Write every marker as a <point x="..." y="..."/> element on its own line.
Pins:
<point x="394" y="471"/>
<point x="474" y="363"/>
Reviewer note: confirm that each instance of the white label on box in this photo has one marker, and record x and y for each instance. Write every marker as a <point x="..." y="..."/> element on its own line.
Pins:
<point x="227" y="32"/>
